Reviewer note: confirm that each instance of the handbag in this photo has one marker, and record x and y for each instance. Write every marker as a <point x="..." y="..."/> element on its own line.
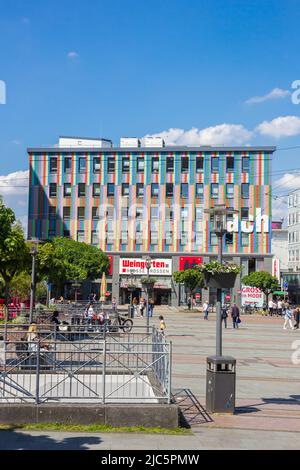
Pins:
<point x="238" y="320"/>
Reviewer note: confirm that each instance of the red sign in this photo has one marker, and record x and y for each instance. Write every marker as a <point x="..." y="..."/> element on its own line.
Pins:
<point x="227" y="297"/>
<point x="188" y="262"/>
<point x="110" y="272"/>
<point x="107" y="294"/>
<point x="198" y="296"/>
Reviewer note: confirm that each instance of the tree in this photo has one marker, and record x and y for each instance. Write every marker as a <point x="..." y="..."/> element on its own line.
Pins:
<point x="64" y="259"/>
<point x="14" y="252"/>
<point x="20" y="287"/>
<point x="263" y="281"/>
<point x="191" y="278"/>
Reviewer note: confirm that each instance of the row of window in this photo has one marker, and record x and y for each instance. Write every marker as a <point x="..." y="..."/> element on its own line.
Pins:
<point x="294" y="200"/>
<point x="140" y="164"/>
<point x="294" y="237"/>
<point x="154" y="238"/>
<point x="155" y="213"/>
<point x="140" y="189"/>
<point x="294" y="218"/>
<point x="294" y="255"/>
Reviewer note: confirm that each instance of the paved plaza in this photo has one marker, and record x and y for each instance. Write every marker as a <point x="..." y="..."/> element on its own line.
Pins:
<point x="268" y="391"/>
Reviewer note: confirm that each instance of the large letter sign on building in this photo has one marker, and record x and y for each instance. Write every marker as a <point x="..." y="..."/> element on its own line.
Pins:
<point x="252" y="296"/>
<point x="160" y="266"/>
<point x="261" y="223"/>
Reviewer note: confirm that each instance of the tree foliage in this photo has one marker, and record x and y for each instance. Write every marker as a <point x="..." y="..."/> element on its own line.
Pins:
<point x="20" y="287"/>
<point x="14" y="252"/>
<point x="65" y="259"/>
<point x="263" y="281"/>
<point x="191" y="278"/>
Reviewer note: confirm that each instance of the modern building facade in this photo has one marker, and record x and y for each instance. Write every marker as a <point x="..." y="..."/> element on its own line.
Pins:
<point x="133" y="201"/>
<point x="292" y="274"/>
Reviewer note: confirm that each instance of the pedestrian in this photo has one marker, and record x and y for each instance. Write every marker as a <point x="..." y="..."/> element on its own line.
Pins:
<point x="235" y="315"/>
<point x="205" y="308"/>
<point x="135" y="306"/>
<point x="114" y="304"/>
<point x="224" y="315"/>
<point x="297" y="318"/>
<point x="271" y="307"/>
<point x="288" y="318"/>
<point x="279" y="307"/>
<point x="151" y="308"/>
<point x="142" y="306"/>
<point x="189" y="302"/>
<point x="162" y="325"/>
<point x="2" y="351"/>
<point x="54" y="319"/>
<point x="89" y="314"/>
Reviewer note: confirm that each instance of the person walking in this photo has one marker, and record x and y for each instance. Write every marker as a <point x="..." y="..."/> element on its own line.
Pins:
<point x="297" y="318"/>
<point x="114" y="304"/>
<point x="205" y="308"/>
<point x="271" y="307"/>
<point x="224" y="315"/>
<point x="135" y="305"/>
<point x="288" y="318"/>
<point x="142" y="306"/>
<point x="151" y="307"/>
<point x="235" y="315"/>
<point x="189" y="302"/>
<point x="279" y="307"/>
<point x="162" y="325"/>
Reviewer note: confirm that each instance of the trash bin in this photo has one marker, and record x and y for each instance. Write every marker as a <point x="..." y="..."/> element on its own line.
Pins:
<point x="130" y="311"/>
<point x="220" y="384"/>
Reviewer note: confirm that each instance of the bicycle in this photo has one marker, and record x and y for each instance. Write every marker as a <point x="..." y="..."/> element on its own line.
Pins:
<point x="123" y="323"/>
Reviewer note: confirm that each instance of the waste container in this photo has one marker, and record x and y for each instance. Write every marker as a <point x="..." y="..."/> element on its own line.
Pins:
<point x="220" y="384"/>
<point x="130" y="311"/>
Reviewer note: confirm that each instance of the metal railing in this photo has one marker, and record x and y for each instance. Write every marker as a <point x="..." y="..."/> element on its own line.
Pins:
<point x="101" y="367"/>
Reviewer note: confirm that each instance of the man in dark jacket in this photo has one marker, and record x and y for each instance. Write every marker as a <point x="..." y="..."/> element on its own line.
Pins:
<point x="235" y="314"/>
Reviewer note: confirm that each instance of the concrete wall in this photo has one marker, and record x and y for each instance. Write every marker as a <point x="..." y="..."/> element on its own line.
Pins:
<point x="165" y="416"/>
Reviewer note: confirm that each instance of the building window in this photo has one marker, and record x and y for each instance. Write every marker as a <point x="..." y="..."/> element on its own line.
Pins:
<point x="140" y="165"/>
<point x="199" y="164"/>
<point x="169" y="238"/>
<point x="154" y="212"/>
<point x="215" y="165"/>
<point x="80" y="213"/>
<point x="184" y="165"/>
<point x="169" y="190"/>
<point x="110" y="212"/>
<point x="213" y="239"/>
<point x="229" y="190"/>
<point x="96" y="189"/>
<point x="53" y="165"/>
<point x="67" y="164"/>
<point x="140" y="189"/>
<point x="184" y="238"/>
<point x="67" y="234"/>
<point x="170" y="164"/>
<point x="154" y="238"/>
<point x="95" y="213"/>
<point x="245" y="190"/>
<point x="139" y="213"/>
<point x="125" y="165"/>
<point x="199" y="238"/>
<point x="229" y="164"/>
<point x="52" y="212"/>
<point x="82" y="165"/>
<point x="184" y="213"/>
<point x="95" y="238"/>
<point x="229" y="238"/>
<point x="245" y="164"/>
<point x="125" y="189"/>
<point x="245" y="213"/>
<point x="52" y="190"/>
<point x="184" y="190"/>
<point x="110" y="189"/>
<point x="139" y="238"/>
<point x="110" y="237"/>
<point x="67" y="189"/>
<point x="199" y="190"/>
<point x="245" y="239"/>
<point x="81" y="189"/>
<point x="124" y="237"/>
<point x="199" y="213"/>
<point x="154" y="189"/>
<point x="110" y="165"/>
<point x="80" y="236"/>
<point x="155" y="165"/>
<point x="214" y="190"/>
<point x="96" y="165"/>
<point x="66" y="213"/>
<point x="124" y="212"/>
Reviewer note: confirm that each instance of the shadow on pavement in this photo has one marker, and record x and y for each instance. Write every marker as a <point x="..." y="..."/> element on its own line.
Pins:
<point x="16" y="440"/>
<point x="293" y="400"/>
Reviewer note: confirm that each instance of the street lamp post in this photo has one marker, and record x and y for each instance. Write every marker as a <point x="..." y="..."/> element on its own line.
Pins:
<point x="148" y="267"/>
<point x="33" y="252"/>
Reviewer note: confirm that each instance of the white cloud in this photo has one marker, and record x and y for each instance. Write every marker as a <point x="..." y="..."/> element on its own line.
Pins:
<point x="73" y="55"/>
<point x="275" y="94"/>
<point x="288" y="182"/>
<point x="279" y="209"/>
<point x="14" y="190"/>
<point x="283" y="126"/>
<point x="222" y="134"/>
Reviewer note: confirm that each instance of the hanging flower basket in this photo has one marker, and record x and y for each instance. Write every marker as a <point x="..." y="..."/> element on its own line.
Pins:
<point x="220" y="276"/>
<point x="148" y="282"/>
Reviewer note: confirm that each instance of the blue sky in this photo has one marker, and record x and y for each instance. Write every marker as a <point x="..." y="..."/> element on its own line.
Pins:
<point x="117" y="68"/>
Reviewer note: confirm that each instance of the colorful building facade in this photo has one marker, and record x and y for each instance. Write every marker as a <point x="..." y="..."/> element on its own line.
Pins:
<point x="132" y="202"/>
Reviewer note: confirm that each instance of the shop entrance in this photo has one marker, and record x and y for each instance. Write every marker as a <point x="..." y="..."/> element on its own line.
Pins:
<point x="125" y="295"/>
<point x="162" y="296"/>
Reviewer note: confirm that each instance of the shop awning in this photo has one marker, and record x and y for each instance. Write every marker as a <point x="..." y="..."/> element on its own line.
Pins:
<point x="279" y="292"/>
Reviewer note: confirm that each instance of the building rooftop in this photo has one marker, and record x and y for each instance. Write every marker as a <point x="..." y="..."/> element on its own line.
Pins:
<point x="167" y="149"/>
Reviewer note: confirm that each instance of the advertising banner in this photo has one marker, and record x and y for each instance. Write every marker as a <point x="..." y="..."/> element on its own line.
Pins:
<point x="137" y="266"/>
<point x="188" y="262"/>
<point x="252" y="296"/>
<point x="276" y="268"/>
